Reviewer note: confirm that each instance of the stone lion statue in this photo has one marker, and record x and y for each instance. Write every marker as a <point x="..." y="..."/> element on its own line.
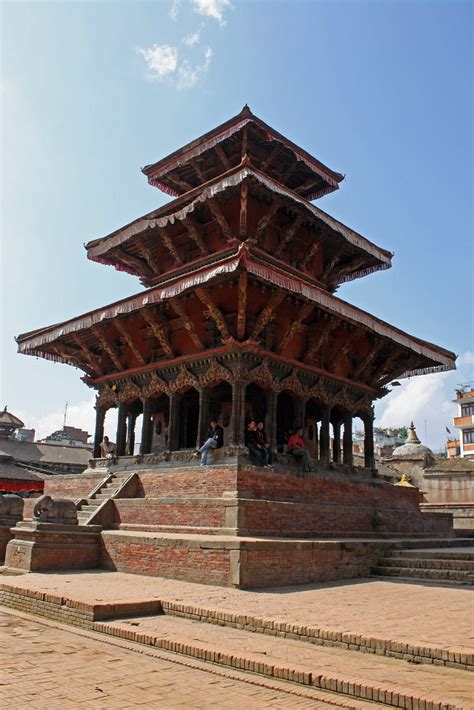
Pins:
<point x="59" y="510"/>
<point x="11" y="506"/>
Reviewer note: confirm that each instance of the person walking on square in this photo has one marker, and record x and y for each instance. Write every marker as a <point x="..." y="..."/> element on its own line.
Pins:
<point x="214" y="440"/>
<point x="262" y="443"/>
<point x="296" y="448"/>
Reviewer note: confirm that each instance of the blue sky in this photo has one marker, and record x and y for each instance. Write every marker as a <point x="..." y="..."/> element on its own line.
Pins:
<point x="92" y="91"/>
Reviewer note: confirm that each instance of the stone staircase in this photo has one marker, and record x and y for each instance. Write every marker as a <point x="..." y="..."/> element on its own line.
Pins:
<point x="446" y="566"/>
<point x="106" y="490"/>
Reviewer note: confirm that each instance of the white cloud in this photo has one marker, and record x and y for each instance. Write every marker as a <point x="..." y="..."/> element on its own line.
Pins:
<point x="192" y="39"/>
<point x="212" y="8"/>
<point x="174" y="10"/>
<point x="161" y="60"/>
<point x="188" y="75"/>
<point x="427" y="398"/>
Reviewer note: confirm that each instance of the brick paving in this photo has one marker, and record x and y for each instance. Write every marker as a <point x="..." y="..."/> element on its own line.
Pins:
<point x="44" y="667"/>
<point x="418" y="614"/>
<point x="249" y="650"/>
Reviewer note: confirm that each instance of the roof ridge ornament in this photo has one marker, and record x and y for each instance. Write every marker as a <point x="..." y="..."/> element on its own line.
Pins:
<point x="412" y="437"/>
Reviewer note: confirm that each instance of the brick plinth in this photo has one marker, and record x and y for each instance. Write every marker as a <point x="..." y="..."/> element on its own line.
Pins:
<point x="45" y="546"/>
<point x="6" y="534"/>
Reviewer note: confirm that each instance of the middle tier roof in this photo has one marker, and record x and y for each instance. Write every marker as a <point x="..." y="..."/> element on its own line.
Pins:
<point x="209" y="222"/>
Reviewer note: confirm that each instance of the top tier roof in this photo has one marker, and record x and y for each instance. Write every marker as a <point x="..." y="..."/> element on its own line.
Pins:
<point x="224" y="147"/>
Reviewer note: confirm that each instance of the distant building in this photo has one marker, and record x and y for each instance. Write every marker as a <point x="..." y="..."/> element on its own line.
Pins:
<point x="465" y="422"/>
<point x="36" y="458"/>
<point x="68" y="436"/>
<point x="25" y="435"/>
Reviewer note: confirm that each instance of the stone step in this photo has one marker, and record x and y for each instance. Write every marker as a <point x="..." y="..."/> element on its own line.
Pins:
<point x="386" y="681"/>
<point x="428" y="563"/>
<point x="433" y="554"/>
<point x="433" y="575"/>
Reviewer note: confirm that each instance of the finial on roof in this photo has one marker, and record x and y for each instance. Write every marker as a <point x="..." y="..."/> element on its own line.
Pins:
<point x="404" y="482"/>
<point x="5" y="408"/>
<point x="412" y="437"/>
<point x="246" y="110"/>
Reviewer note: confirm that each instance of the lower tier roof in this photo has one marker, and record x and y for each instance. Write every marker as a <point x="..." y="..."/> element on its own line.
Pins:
<point x="231" y="302"/>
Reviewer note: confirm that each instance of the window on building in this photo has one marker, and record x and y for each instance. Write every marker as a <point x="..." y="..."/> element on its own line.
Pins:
<point x="468" y="436"/>
<point x="467" y="410"/>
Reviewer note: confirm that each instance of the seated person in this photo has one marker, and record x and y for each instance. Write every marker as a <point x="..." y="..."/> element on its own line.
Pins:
<point x="214" y="440"/>
<point x="262" y="443"/>
<point x="296" y="448"/>
<point x="107" y="448"/>
<point x="257" y="453"/>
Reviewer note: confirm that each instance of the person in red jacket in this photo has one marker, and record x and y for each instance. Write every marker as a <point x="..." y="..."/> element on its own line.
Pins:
<point x="296" y="448"/>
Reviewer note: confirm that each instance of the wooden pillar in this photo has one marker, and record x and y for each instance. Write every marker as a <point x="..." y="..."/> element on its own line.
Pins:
<point x="316" y="438"/>
<point x="271" y="423"/>
<point x="238" y="412"/>
<point x="121" y="429"/>
<point x="336" y="444"/>
<point x="173" y="425"/>
<point x="324" y="434"/>
<point x="131" y="419"/>
<point x="147" y="429"/>
<point x="300" y="407"/>
<point x="203" y="415"/>
<point x="99" y="429"/>
<point x="369" y="459"/>
<point x="347" y="439"/>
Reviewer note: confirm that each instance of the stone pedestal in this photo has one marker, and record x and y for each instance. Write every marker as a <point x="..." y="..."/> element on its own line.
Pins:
<point x="7" y="522"/>
<point x="37" y="546"/>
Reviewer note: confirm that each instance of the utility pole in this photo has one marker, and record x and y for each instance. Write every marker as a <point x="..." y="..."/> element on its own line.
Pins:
<point x="65" y="415"/>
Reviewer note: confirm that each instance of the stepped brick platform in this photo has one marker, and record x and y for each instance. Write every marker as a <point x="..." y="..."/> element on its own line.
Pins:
<point x="245" y="526"/>
<point x="453" y="566"/>
<point x="252" y="632"/>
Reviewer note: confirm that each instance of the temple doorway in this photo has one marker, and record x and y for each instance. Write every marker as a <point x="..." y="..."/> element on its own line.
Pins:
<point x="285" y="418"/>
<point x="188" y="419"/>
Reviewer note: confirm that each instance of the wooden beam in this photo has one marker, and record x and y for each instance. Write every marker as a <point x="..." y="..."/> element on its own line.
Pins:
<point x="290" y="170"/>
<point x="365" y="362"/>
<point x="244" y="192"/>
<point x="218" y="215"/>
<point x="386" y="365"/>
<point x="268" y="313"/>
<point x="344" y="349"/>
<point x="295" y="326"/>
<point x="119" y="324"/>
<point x="195" y="234"/>
<point x="187" y="322"/>
<point x="242" y="305"/>
<point x="159" y="332"/>
<point x="321" y="337"/>
<point x="88" y="354"/>
<point x="61" y="350"/>
<point x="352" y="266"/>
<point x="148" y="256"/>
<point x="168" y="243"/>
<point x="214" y="312"/>
<point x="244" y="142"/>
<point x="311" y="252"/>
<point x="410" y="364"/>
<point x="289" y="233"/>
<point x="329" y="267"/>
<point x="107" y="347"/>
<point x="222" y="156"/>
<point x="129" y="259"/>
<point x="273" y="153"/>
<point x="264" y="221"/>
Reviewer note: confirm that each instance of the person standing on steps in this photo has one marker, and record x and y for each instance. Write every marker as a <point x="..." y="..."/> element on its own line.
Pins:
<point x="214" y="440"/>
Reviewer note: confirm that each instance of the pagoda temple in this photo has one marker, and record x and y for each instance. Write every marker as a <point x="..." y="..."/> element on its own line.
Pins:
<point x="238" y="320"/>
<point x="239" y="316"/>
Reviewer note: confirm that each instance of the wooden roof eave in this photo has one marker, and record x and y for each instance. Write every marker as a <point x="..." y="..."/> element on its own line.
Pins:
<point x="225" y="130"/>
<point x="180" y="208"/>
<point x="31" y="343"/>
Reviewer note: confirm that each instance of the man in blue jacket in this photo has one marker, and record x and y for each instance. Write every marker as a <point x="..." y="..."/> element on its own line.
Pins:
<point x="214" y="440"/>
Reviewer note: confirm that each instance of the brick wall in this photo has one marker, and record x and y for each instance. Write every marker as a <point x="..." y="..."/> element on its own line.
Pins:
<point x="73" y="486"/>
<point x="187" y="483"/>
<point x="187" y="513"/>
<point x="164" y="557"/>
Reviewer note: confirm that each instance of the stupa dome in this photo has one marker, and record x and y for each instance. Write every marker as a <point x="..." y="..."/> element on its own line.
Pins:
<point x="412" y="449"/>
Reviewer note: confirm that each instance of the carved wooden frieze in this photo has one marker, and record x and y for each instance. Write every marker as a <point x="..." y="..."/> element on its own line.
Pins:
<point x="215" y="374"/>
<point x="129" y="392"/>
<point x="155" y="387"/>
<point x="292" y="384"/>
<point x="106" y="397"/>
<point x="262" y="375"/>
<point x="184" y="381"/>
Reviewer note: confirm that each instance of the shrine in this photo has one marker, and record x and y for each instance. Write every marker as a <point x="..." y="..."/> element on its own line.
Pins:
<point x="238" y="320"/>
